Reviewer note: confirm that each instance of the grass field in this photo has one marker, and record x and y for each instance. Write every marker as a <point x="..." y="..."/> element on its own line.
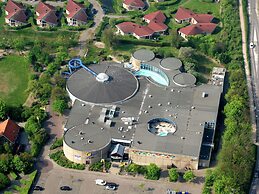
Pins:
<point x="14" y="77"/>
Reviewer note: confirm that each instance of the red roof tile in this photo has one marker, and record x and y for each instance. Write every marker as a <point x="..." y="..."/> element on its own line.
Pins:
<point x="9" y="130"/>
<point x="13" y="6"/>
<point x="127" y="27"/>
<point x="183" y="14"/>
<point x="157" y="26"/>
<point x="47" y="13"/>
<point x="76" y="11"/>
<point x="198" y="29"/>
<point x="203" y="18"/>
<point x="19" y="16"/>
<point x="157" y="16"/>
<point x="43" y="8"/>
<point x="135" y="3"/>
<point x="143" y="31"/>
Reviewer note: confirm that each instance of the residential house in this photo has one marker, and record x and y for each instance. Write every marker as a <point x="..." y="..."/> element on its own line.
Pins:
<point x="186" y="15"/>
<point x="46" y="15"/>
<point x="155" y="26"/>
<point x="126" y="28"/>
<point x="9" y="131"/>
<point x="194" y="29"/>
<point x="76" y="13"/>
<point x="133" y="5"/>
<point x="15" y="14"/>
<point x="157" y="16"/>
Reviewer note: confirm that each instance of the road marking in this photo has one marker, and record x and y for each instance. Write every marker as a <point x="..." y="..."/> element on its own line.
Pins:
<point x="255" y="53"/>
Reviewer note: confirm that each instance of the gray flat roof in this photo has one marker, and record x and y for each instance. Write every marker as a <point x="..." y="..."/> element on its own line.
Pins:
<point x="184" y="79"/>
<point x="144" y="55"/>
<point x="84" y="86"/>
<point x="183" y="105"/>
<point x="171" y="63"/>
<point x="83" y="138"/>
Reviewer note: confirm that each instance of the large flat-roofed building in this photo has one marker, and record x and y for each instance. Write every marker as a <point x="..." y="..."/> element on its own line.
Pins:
<point x="154" y="110"/>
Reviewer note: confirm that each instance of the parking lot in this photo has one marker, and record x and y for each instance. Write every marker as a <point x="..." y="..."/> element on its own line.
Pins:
<point x="84" y="182"/>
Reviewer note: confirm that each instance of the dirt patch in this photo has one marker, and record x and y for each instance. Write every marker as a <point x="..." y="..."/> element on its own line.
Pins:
<point x="4" y="86"/>
<point x="99" y="44"/>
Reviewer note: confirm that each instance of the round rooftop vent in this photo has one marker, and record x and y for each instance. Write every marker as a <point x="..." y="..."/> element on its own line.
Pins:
<point x="102" y="77"/>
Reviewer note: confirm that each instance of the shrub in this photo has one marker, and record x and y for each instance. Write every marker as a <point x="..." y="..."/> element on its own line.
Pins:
<point x="61" y="160"/>
<point x="188" y="176"/>
<point x="135" y="169"/>
<point x="98" y="166"/>
<point x="4" y="181"/>
<point x="57" y="143"/>
<point x="152" y="172"/>
<point x="173" y="175"/>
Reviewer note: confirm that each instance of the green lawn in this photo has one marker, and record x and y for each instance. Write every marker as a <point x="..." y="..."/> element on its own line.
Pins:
<point x="14" y="77"/>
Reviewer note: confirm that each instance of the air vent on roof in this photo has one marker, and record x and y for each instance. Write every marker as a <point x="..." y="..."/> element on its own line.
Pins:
<point x="81" y="133"/>
<point x="145" y="111"/>
<point x="123" y="111"/>
<point x="166" y="110"/>
<point x="183" y="138"/>
<point x="179" y="91"/>
<point x="83" y="104"/>
<point x="149" y="106"/>
<point x="204" y="95"/>
<point x="168" y="103"/>
<point x="102" y="128"/>
<point x="150" y="96"/>
<point x="193" y="107"/>
<point x="90" y="141"/>
<point x="139" y="142"/>
<point x="123" y="136"/>
<point x="172" y="90"/>
<point x="159" y="104"/>
<point x="170" y="115"/>
<point x="72" y="142"/>
<point x="82" y="138"/>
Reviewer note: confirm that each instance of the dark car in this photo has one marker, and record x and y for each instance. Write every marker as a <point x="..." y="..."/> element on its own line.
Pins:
<point x="38" y="188"/>
<point x="111" y="186"/>
<point x="65" y="188"/>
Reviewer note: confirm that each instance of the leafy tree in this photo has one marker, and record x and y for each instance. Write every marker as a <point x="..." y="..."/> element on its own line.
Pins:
<point x="32" y="126"/>
<point x="152" y="172"/>
<point x="175" y="39"/>
<point x="109" y="39"/>
<point x="188" y="176"/>
<point x="59" y="80"/>
<point x="4" y="181"/>
<point x="58" y="93"/>
<point x="173" y="174"/>
<point x="59" y="106"/>
<point x="18" y="164"/>
<point x="3" y="109"/>
<point x="27" y="160"/>
<point x="5" y="163"/>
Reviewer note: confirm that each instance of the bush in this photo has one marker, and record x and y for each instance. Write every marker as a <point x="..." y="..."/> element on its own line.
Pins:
<point x="98" y="166"/>
<point x="61" y="160"/>
<point x="188" y="176"/>
<point x="173" y="175"/>
<point x="4" y="181"/>
<point x="135" y="169"/>
<point x="26" y="184"/>
<point x="57" y="143"/>
<point x="152" y="172"/>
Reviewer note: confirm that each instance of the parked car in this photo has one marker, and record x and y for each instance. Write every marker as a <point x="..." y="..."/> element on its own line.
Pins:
<point x="100" y="182"/>
<point x="65" y="188"/>
<point x="38" y="188"/>
<point x="110" y="187"/>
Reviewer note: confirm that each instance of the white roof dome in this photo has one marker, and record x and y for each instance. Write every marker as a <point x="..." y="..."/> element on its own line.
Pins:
<point x="102" y="77"/>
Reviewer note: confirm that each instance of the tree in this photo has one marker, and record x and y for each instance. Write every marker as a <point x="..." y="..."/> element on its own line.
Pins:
<point x="59" y="106"/>
<point x="3" y="109"/>
<point x="4" y="181"/>
<point x="173" y="175"/>
<point x="188" y="176"/>
<point x="175" y="39"/>
<point x="58" y="93"/>
<point x="5" y="163"/>
<point x="109" y="39"/>
<point x="23" y="162"/>
<point x="32" y="126"/>
<point x="152" y="172"/>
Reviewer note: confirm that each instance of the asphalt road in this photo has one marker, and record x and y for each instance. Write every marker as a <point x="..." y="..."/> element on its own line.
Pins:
<point x="254" y="55"/>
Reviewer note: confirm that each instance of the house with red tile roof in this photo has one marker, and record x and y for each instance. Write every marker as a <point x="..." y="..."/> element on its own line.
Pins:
<point x="15" y="14"/>
<point x="186" y="15"/>
<point x="157" y="16"/>
<point x="133" y="5"/>
<point x="155" y="26"/>
<point x="46" y="15"/>
<point x="200" y="28"/>
<point x="76" y="13"/>
<point x="9" y="130"/>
